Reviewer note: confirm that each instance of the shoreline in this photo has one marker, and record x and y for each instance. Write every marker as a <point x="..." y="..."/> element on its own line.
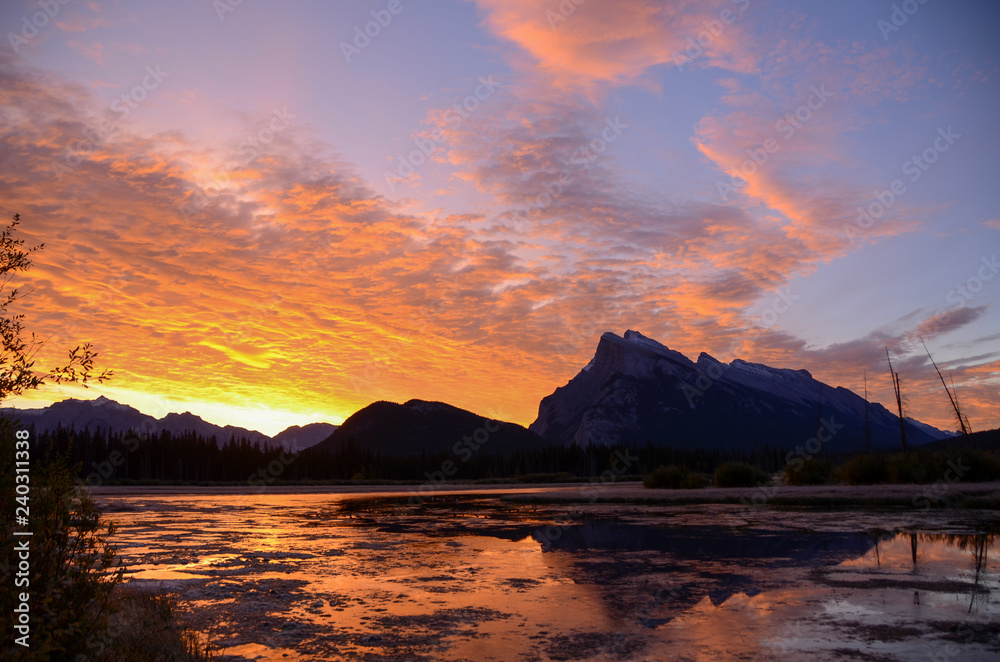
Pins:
<point x="921" y="497"/>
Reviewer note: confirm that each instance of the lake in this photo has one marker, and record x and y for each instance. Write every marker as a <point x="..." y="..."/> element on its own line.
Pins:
<point x="486" y="574"/>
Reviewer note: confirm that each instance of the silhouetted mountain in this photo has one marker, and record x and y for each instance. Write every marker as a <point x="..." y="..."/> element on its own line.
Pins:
<point x="433" y="427"/>
<point x="107" y="414"/>
<point x="296" y="438"/>
<point x="636" y="391"/>
<point x="188" y="422"/>
<point x="101" y="413"/>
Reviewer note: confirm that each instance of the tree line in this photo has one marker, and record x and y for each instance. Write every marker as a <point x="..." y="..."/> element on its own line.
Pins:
<point x="102" y="457"/>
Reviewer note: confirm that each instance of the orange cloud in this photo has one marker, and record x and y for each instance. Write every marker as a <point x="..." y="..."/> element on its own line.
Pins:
<point x="288" y="281"/>
<point x="580" y="45"/>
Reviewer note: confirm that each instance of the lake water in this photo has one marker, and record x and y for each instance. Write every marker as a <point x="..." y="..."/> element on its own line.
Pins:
<point x="483" y="577"/>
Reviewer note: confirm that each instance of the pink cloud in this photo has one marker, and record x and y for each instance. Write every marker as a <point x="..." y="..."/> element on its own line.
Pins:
<point x="617" y="42"/>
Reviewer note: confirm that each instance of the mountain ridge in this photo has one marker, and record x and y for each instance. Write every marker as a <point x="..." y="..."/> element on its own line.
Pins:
<point x="103" y="412"/>
<point x="636" y="391"/>
<point x="419" y="426"/>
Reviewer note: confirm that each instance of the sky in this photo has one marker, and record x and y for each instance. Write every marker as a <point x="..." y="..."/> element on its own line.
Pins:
<point x="276" y="213"/>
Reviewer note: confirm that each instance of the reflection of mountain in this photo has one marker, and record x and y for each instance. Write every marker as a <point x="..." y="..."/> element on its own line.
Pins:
<point x="708" y="542"/>
<point x="695" y="561"/>
<point x="656" y="573"/>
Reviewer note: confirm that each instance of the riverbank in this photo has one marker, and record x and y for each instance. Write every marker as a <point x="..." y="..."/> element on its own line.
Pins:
<point x="920" y="497"/>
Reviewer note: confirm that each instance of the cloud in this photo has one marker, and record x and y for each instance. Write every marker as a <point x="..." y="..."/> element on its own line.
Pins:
<point x="618" y="42"/>
<point x="288" y="264"/>
<point x="947" y="321"/>
<point x="287" y="279"/>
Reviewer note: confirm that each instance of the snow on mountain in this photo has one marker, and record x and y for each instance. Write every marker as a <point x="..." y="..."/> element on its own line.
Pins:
<point x="637" y="391"/>
<point x="932" y="431"/>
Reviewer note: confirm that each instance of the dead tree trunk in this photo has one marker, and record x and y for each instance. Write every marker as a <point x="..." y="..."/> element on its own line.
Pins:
<point x="953" y="398"/>
<point x="899" y="402"/>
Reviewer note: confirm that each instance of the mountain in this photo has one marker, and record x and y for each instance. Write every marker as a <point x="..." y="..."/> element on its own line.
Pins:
<point x="107" y="414"/>
<point x="188" y="422"/>
<point x="100" y="413"/>
<point x="637" y="391"/>
<point x="418" y="426"/>
<point x="296" y="438"/>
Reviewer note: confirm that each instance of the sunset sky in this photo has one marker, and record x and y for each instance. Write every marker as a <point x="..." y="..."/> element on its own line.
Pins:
<point x="261" y="214"/>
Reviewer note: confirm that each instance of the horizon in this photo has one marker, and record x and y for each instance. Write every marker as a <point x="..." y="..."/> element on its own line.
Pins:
<point x="277" y="429"/>
<point x="459" y="202"/>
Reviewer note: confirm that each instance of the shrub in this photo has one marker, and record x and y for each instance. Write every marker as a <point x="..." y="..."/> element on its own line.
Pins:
<point x="696" y="481"/>
<point x="920" y="467"/>
<point x="864" y="470"/>
<point x="814" y="471"/>
<point x="673" y="478"/>
<point x="72" y="565"/>
<point x="144" y="628"/>
<point x="983" y="467"/>
<point x="739" y="474"/>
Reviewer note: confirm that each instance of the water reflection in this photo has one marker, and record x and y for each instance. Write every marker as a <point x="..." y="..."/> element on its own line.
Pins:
<point x="318" y="577"/>
<point x="715" y="563"/>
